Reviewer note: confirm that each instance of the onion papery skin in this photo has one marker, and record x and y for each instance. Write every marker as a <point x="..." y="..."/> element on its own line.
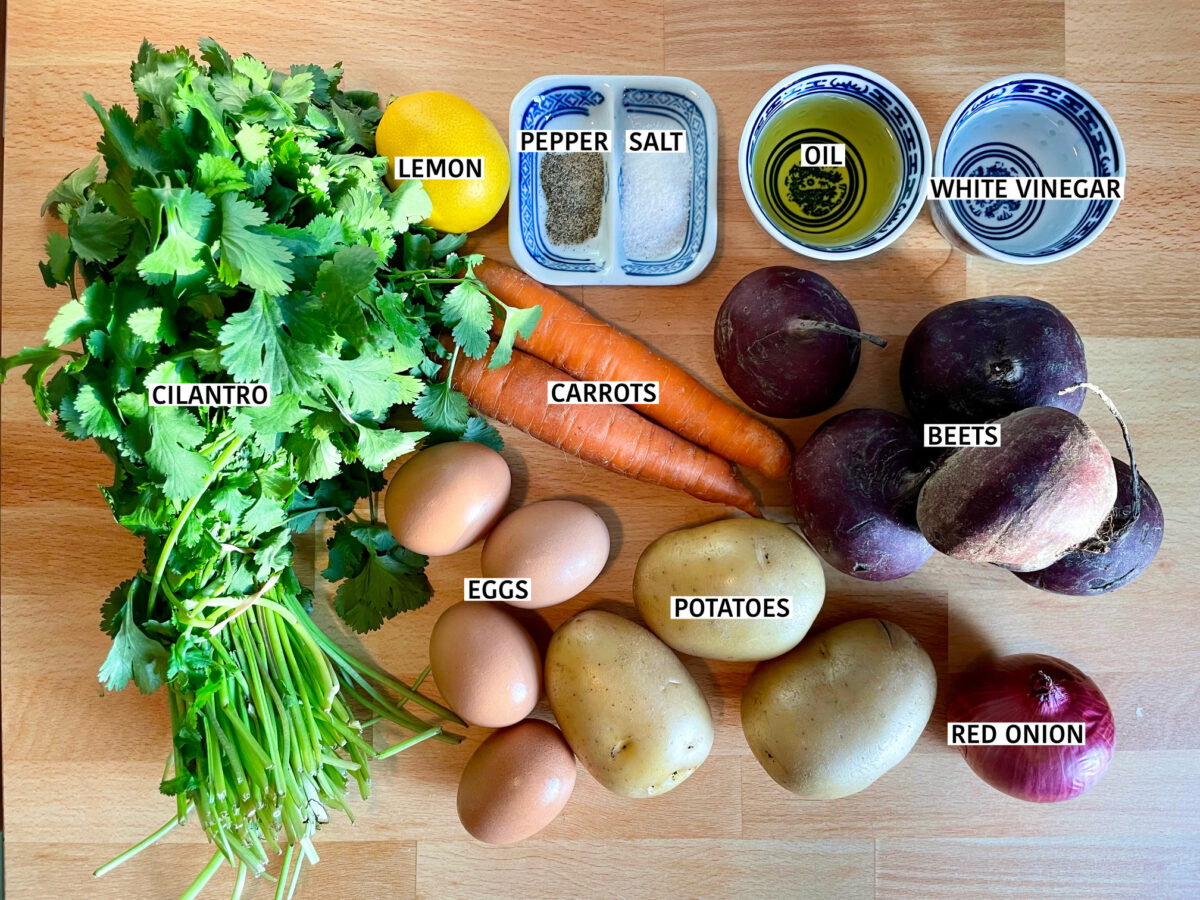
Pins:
<point x="1033" y="688"/>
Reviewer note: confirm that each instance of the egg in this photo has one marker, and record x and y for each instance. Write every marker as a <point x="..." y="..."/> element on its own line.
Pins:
<point x="516" y="783"/>
<point x="559" y="545"/>
<point x="485" y="665"/>
<point x="446" y="497"/>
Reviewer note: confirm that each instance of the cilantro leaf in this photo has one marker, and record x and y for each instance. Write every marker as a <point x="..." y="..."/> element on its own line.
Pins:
<point x="248" y="255"/>
<point x="153" y="325"/>
<point x="379" y="446"/>
<point x="258" y="348"/>
<point x="441" y="408"/>
<point x="38" y="359"/>
<point x="174" y="435"/>
<point x="339" y="281"/>
<point x="180" y="253"/>
<point x="96" y="419"/>
<point x="71" y="189"/>
<point x="516" y="321"/>
<point x="98" y="236"/>
<point x="316" y="456"/>
<point x="479" y="431"/>
<point x="364" y="385"/>
<point x="469" y="310"/>
<point x="218" y="174"/>
<point x="252" y="141"/>
<point x="408" y="204"/>
<point x="377" y="577"/>
<point x="133" y="655"/>
<point x="60" y="264"/>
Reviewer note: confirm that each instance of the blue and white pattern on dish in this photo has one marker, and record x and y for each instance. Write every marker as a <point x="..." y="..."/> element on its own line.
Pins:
<point x="1032" y="127"/>
<point x="685" y="114"/>
<point x="541" y="110"/>
<point x="997" y="219"/>
<point x="908" y="132"/>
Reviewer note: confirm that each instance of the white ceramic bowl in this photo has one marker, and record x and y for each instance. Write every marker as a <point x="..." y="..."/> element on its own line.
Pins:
<point x="1027" y="125"/>
<point x="904" y="122"/>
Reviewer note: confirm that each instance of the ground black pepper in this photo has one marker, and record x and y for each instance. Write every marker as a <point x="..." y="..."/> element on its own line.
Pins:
<point x="573" y="185"/>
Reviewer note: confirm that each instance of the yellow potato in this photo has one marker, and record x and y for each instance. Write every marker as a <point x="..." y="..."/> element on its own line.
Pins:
<point x="730" y="558"/>
<point x="841" y="709"/>
<point x="626" y="704"/>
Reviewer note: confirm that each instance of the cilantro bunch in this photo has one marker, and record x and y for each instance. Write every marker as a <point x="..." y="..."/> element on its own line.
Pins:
<point x="242" y="232"/>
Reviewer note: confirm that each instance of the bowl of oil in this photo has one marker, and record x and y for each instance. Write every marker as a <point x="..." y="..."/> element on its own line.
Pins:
<point x="836" y="211"/>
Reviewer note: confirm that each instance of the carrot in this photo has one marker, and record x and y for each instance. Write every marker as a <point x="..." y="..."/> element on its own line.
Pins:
<point x="572" y="339"/>
<point x="614" y="437"/>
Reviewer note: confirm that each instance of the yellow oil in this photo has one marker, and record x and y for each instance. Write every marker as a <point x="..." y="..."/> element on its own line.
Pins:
<point x="825" y="206"/>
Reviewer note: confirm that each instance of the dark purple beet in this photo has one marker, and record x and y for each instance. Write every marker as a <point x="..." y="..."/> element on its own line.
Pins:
<point x="978" y="360"/>
<point x="854" y="491"/>
<point x="1121" y="551"/>
<point x="783" y="342"/>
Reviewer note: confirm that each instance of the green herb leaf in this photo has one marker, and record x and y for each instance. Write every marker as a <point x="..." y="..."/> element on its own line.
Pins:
<point x="248" y="255"/>
<point x="133" y="655"/>
<point x="71" y="189"/>
<point x="174" y="435"/>
<point x="378" y="578"/>
<point x="441" y="408"/>
<point x="469" y="310"/>
<point x="516" y="321"/>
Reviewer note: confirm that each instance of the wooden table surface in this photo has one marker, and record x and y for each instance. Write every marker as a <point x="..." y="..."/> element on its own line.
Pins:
<point x="81" y="769"/>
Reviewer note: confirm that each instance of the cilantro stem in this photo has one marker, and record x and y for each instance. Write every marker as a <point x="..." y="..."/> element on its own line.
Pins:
<point x="335" y="652"/>
<point x="409" y="742"/>
<point x="136" y="848"/>
<point x="173" y="536"/>
<point x="295" y="877"/>
<point x="283" y="872"/>
<point x="240" y="884"/>
<point x="203" y="878"/>
<point x="311" y="512"/>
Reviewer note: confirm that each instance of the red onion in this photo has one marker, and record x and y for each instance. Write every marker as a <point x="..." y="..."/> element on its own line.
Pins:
<point x="1032" y="688"/>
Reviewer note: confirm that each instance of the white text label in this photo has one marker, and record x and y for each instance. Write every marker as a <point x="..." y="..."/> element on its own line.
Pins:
<point x="497" y="588"/>
<point x="1015" y="734"/>
<point x="731" y="607"/>
<point x="564" y="141"/>
<point x="963" y="435"/>
<point x="210" y="395"/>
<point x="603" y="393"/>
<point x="437" y="168"/>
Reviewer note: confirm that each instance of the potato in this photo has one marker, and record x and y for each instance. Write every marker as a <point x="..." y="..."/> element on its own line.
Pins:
<point x="626" y="705"/>
<point x="731" y="558"/>
<point x="841" y="709"/>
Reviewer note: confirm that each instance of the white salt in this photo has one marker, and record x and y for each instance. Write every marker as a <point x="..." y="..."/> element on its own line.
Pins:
<point x="656" y="201"/>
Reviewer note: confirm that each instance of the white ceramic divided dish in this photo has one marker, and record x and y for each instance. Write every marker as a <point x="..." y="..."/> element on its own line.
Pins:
<point x="614" y="103"/>
<point x="902" y="118"/>
<point x="1027" y="125"/>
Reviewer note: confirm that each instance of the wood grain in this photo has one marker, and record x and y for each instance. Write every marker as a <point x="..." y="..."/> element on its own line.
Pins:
<point x="81" y="769"/>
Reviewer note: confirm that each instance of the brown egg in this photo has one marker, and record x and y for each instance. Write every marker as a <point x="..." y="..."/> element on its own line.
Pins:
<point x="559" y="545"/>
<point x="516" y="783"/>
<point x="485" y="664"/>
<point x="446" y="497"/>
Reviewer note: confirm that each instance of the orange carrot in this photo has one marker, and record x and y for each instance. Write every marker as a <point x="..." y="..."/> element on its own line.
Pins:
<point x="572" y="339"/>
<point x="614" y="437"/>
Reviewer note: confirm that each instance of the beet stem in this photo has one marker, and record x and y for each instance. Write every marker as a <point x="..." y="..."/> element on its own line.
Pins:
<point x="833" y="327"/>
<point x="1135" y="479"/>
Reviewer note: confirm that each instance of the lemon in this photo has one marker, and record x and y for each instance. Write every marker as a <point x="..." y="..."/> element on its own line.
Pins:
<point x="434" y="123"/>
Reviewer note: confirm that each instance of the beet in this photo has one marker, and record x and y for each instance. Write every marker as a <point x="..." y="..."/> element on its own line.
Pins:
<point x="977" y="360"/>
<point x="787" y="342"/>
<point x="1125" y="545"/>
<point x="854" y="490"/>
<point x="1047" y="487"/>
